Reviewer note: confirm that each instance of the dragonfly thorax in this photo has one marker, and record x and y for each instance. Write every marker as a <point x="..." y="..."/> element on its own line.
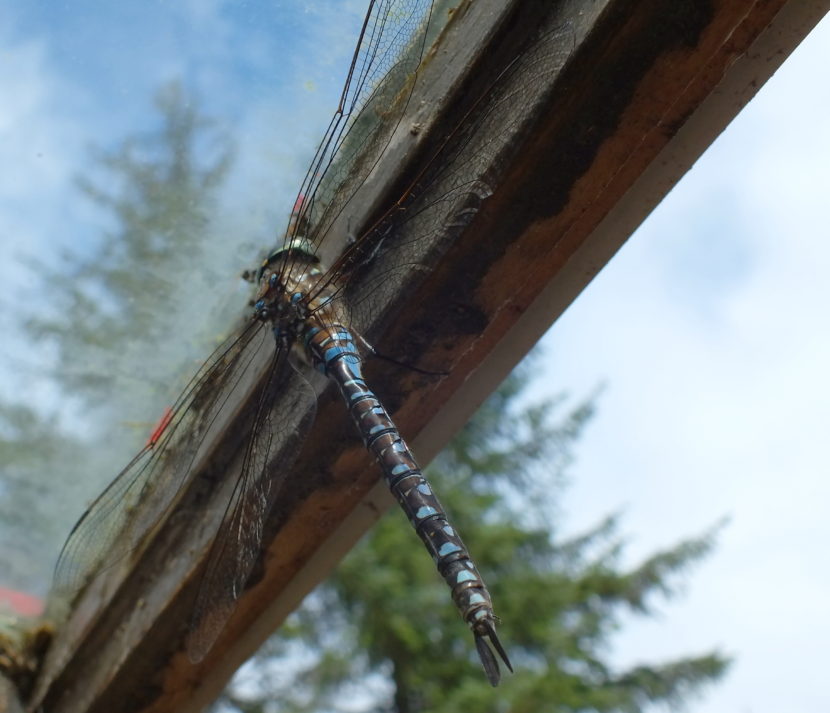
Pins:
<point x="293" y="297"/>
<point x="284" y="293"/>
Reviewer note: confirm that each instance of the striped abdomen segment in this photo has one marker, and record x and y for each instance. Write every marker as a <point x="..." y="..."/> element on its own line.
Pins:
<point x="332" y="350"/>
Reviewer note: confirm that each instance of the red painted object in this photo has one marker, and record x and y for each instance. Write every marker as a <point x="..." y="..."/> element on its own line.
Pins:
<point x="163" y="423"/>
<point x="20" y="603"/>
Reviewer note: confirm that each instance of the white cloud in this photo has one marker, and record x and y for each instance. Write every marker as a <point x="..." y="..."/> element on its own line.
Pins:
<point x="711" y="327"/>
<point x="39" y="146"/>
<point x="33" y="143"/>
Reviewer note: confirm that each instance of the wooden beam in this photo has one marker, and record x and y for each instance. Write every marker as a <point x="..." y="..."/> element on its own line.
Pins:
<point x="602" y="107"/>
<point x="9" y="700"/>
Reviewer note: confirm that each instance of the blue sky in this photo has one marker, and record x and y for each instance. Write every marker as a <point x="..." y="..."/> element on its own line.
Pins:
<point x="78" y="75"/>
<point x="709" y="327"/>
<point x="83" y="73"/>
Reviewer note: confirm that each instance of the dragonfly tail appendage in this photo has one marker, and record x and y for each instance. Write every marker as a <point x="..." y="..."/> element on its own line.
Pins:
<point x="488" y="658"/>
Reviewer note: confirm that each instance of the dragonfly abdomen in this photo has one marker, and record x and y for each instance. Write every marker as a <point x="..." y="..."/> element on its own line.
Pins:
<point x="332" y="350"/>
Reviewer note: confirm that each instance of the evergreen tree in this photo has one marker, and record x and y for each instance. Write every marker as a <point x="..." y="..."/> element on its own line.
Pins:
<point x="122" y="320"/>
<point x="134" y="293"/>
<point x="31" y="449"/>
<point x="384" y="621"/>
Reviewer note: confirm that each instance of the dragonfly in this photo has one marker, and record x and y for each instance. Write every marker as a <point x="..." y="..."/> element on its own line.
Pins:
<point x="301" y="307"/>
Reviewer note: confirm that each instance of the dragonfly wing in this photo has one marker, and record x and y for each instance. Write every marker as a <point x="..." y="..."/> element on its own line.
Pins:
<point x="452" y="185"/>
<point x="94" y="539"/>
<point x="115" y="523"/>
<point x="374" y="99"/>
<point x="237" y="544"/>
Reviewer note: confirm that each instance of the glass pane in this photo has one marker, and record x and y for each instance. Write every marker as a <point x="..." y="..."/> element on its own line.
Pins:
<point x="152" y="150"/>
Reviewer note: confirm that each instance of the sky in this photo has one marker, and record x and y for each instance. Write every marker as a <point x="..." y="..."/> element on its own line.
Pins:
<point x="708" y="328"/>
<point x="79" y="78"/>
<point x="83" y="74"/>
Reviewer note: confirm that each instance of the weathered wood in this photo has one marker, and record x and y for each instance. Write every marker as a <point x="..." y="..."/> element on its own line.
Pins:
<point x="9" y="701"/>
<point x="578" y="154"/>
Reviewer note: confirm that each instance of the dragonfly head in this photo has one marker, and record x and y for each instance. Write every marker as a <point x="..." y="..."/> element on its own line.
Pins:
<point x="281" y="277"/>
<point x="294" y="249"/>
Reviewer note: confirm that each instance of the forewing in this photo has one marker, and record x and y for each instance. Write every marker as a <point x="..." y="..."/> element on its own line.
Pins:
<point x="451" y="186"/>
<point x="143" y="493"/>
<point x="374" y="99"/>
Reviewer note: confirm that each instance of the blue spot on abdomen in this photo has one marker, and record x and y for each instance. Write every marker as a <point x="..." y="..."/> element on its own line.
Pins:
<point x="448" y="548"/>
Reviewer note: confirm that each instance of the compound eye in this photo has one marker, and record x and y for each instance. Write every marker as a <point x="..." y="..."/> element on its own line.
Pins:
<point x="273" y="280"/>
<point x="260" y="310"/>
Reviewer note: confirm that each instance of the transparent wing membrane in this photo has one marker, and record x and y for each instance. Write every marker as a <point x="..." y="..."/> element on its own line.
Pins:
<point x="113" y="527"/>
<point x="238" y="541"/>
<point x="374" y="99"/>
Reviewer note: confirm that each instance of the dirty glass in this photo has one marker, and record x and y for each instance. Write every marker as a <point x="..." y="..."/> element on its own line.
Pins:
<point x="150" y="152"/>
